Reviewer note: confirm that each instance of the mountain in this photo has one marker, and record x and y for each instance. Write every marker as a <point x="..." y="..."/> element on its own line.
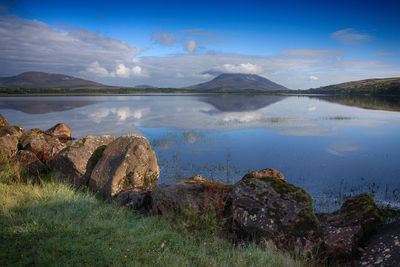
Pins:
<point x="238" y="81"/>
<point x="47" y="80"/>
<point x="386" y="86"/>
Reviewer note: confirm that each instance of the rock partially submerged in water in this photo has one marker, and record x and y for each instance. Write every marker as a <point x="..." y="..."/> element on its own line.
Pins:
<point x="196" y="195"/>
<point x="266" y="206"/>
<point x="127" y="163"/>
<point x="75" y="163"/>
<point x="346" y="229"/>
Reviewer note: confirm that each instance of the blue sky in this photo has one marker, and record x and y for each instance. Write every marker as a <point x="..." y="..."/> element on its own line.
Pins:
<point x="299" y="44"/>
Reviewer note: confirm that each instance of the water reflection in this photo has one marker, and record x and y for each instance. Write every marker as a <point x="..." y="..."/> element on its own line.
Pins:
<point x="42" y="106"/>
<point x="315" y="142"/>
<point x="241" y="103"/>
<point x="367" y="102"/>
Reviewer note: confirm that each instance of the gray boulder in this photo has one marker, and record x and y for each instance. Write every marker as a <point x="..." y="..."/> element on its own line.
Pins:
<point x="196" y="195"/>
<point x="127" y="163"/>
<point x="346" y="229"/>
<point x="266" y="206"/>
<point x="11" y="130"/>
<point x="75" y="163"/>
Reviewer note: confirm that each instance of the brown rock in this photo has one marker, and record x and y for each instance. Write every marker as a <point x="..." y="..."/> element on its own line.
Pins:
<point x="30" y="162"/>
<point x="11" y="130"/>
<point x="3" y="121"/>
<point x="269" y="207"/>
<point x="127" y="163"/>
<point x="346" y="229"/>
<point x="75" y="163"/>
<point x="8" y="146"/>
<point x="196" y="195"/>
<point x="62" y="132"/>
<point x="44" y="146"/>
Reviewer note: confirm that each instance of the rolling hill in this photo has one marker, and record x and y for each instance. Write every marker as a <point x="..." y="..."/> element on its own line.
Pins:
<point x="238" y="81"/>
<point x="386" y="86"/>
<point x="48" y="80"/>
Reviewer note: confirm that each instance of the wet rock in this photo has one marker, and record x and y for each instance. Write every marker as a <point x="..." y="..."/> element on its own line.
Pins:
<point x="266" y="206"/>
<point x="346" y="229"/>
<point x="30" y="162"/>
<point x="3" y="121"/>
<point x="45" y="146"/>
<point x="196" y="195"/>
<point x="75" y="163"/>
<point x="138" y="200"/>
<point x="127" y="163"/>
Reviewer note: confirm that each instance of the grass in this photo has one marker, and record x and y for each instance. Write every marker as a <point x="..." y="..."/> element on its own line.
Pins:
<point x="46" y="223"/>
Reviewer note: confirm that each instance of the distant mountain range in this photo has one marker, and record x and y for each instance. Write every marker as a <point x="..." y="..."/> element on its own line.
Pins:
<point x="238" y="81"/>
<point x="47" y="80"/>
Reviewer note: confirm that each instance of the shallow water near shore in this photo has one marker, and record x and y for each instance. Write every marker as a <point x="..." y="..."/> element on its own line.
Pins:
<point x="332" y="147"/>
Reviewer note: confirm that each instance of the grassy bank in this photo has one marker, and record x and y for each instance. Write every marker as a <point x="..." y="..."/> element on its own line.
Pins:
<point x="45" y="223"/>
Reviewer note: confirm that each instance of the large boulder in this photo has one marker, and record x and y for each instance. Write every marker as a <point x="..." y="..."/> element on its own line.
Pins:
<point x="349" y="227"/>
<point x="127" y="163"/>
<point x="45" y="146"/>
<point x="196" y="195"/>
<point x="75" y="163"/>
<point x="266" y="206"/>
<point x="3" y="121"/>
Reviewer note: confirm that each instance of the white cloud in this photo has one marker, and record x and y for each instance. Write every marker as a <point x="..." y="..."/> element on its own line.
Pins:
<point x="313" y="78"/>
<point x="163" y="38"/>
<point x="313" y="108"/>
<point x="191" y="46"/>
<point x="97" y="70"/>
<point x="28" y="45"/>
<point x="350" y="36"/>
<point x="122" y="71"/>
<point x="240" y="68"/>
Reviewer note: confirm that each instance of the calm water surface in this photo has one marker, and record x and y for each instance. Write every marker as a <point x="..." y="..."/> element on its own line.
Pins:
<point x="330" y="149"/>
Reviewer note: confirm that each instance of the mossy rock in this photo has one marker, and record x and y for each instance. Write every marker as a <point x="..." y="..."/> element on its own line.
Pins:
<point x="270" y="207"/>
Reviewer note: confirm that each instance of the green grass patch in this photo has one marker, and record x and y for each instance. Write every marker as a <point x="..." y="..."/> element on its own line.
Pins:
<point x="51" y="224"/>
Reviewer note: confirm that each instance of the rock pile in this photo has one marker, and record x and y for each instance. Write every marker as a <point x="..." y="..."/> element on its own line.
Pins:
<point x="263" y="205"/>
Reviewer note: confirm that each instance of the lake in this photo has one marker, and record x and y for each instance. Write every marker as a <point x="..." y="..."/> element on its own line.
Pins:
<point x="332" y="147"/>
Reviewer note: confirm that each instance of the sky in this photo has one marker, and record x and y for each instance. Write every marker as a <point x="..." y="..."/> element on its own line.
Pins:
<point x="299" y="44"/>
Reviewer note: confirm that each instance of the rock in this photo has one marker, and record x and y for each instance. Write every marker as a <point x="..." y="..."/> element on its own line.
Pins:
<point x="9" y="140"/>
<point x="11" y="130"/>
<point x="8" y="146"/>
<point x="127" y="163"/>
<point x="3" y="121"/>
<point x="44" y="146"/>
<point x="60" y="130"/>
<point x="346" y="229"/>
<point x="266" y="206"/>
<point x="196" y="195"/>
<point x="75" y="163"/>
<point x="138" y="200"/>
<point x="30" y="162"/>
